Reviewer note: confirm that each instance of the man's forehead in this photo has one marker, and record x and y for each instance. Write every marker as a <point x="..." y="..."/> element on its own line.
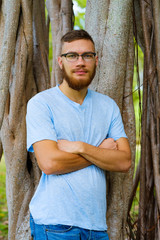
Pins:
<point x="81" y="45"/>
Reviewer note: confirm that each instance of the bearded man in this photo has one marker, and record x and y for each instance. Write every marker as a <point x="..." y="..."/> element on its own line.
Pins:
<point x="77" y="134"/>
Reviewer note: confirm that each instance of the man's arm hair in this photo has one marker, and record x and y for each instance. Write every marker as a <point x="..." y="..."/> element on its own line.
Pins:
<point x="109" y="159"/>
<point x="52" y="160"/>
<point x="103" y="157"/>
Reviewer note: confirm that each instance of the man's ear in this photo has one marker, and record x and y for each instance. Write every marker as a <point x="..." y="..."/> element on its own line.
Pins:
<point x="60" y="62"/>
<point x="96" y="60"/>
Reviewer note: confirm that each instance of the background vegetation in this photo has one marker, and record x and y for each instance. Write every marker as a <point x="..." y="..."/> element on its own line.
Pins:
<point x="3" y="202"/>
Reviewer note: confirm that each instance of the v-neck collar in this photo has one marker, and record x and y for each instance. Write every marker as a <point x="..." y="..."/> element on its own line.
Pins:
<point x="71" y="101"/>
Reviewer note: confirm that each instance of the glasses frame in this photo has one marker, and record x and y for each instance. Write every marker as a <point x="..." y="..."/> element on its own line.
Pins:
<point x="78" y="55"/>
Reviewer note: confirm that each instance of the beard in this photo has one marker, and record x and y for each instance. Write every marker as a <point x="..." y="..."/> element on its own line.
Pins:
<point x="78" y="84"/>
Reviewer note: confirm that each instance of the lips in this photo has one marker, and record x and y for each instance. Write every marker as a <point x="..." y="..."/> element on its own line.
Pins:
<point x="80" y="71"/>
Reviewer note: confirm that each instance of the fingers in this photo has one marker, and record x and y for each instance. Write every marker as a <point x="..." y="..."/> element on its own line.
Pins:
<point x="109" y="143"/>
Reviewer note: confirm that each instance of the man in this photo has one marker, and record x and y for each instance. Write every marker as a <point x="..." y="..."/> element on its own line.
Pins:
<point x="76" y="135"/>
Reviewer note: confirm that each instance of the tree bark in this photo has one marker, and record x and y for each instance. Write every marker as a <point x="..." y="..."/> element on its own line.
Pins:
<point x="112" y="29"/>
<point x="25" y="81"/>
<point x="61" y="18"/>
<point x="40" y="47"/>
<point x="138" y="32"/>
<point x="129" y="125"/>
<point x="148" y="226"/>
<point x="1" y="148"/>
<point x="7" y="49"/>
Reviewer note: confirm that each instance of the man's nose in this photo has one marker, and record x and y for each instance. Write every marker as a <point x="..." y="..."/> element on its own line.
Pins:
<point x="80" y="60"/>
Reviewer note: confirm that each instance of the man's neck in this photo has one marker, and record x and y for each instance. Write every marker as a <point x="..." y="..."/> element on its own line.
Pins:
<point x="74" y="95"/>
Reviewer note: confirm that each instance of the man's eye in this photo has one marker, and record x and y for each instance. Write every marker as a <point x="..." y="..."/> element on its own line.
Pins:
<point x="71" y="56"/>
<point x="88" y="56"/>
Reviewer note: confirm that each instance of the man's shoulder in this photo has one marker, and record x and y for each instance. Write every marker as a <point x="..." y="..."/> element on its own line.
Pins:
<point x="44" y="96"/>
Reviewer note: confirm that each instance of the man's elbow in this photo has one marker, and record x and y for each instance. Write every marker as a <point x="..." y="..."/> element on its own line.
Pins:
<point x="50" y="167"/>
<point x="127" y="165"/>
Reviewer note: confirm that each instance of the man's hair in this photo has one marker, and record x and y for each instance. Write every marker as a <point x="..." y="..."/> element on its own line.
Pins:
<point x="76" y="35"/>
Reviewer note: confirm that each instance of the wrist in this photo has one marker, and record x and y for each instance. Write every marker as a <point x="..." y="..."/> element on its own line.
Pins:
<point x="81" y="147"/>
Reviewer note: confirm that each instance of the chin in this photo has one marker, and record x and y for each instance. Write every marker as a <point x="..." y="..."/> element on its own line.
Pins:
<point x="78" y="86"/>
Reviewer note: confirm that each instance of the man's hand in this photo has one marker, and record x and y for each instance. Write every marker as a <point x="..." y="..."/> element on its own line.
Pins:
<point x="69" y="146"/>
<point x="109" y="143"/>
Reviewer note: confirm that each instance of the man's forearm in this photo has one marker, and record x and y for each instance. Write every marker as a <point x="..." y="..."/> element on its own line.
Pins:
<point x="53" y="160"/>
<point x="70" y="156"/>
<point x="69" y="161"/>
<point x="107" y="159"/>
<point x="106" y="156"/>
<point x="64" y="162"/>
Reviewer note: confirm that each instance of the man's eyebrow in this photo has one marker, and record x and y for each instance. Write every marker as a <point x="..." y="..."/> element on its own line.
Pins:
<point x="72" y="52"/>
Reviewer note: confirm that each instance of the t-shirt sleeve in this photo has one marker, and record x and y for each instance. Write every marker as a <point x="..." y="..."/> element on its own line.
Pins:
<point x="40" y="123"/>
<point x="116" y="129"/>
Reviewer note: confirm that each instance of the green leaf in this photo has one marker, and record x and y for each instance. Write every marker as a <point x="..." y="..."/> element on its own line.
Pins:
<point x="81" y="3"/>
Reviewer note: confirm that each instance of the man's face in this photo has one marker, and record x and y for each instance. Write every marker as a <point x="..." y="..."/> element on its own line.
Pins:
<point x="78" y="74"/>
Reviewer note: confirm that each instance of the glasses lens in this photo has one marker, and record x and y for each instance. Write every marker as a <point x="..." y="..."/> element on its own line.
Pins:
<point x="71" y="57"/>
<point x="88" y="56"/>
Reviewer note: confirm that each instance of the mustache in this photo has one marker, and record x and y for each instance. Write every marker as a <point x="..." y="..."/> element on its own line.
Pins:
<point x="80" y="69"/>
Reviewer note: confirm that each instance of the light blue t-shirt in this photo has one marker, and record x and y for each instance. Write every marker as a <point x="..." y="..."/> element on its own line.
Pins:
<point x="77" y="198"/>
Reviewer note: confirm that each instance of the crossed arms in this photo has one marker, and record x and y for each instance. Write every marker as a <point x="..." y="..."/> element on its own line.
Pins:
<point x="66" y="156"/>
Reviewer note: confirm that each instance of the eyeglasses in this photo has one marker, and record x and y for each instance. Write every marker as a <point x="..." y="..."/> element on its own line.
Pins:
<point x="73" y="56"/>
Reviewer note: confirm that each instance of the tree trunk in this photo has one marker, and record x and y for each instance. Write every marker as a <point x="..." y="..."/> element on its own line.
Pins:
<point x="25" y="79"/>
<point x="61" y="18"/>
<point x="149" y="206"/>
<point x="9" y="22"/>
<point x="147" y="35"/>
<point x="111" y="26"/>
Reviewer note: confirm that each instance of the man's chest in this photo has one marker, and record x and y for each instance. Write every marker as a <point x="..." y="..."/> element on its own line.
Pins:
<point x="81" y="124"/>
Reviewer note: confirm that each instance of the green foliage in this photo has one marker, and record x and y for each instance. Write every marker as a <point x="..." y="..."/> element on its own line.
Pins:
<point x="137" y="100"/>
<point x="79" y="11"/>
<point x="79" y="21"/>
<point x="138" y="89"/>
<point x="3" y="202"/>
<point x="81" y="3"/>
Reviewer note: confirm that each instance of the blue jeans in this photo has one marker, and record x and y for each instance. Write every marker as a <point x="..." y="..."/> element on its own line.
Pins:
<point x="60" y="232"/>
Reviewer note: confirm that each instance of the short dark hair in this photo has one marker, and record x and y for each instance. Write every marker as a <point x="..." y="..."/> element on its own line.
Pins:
<point x="76" y="35"/>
